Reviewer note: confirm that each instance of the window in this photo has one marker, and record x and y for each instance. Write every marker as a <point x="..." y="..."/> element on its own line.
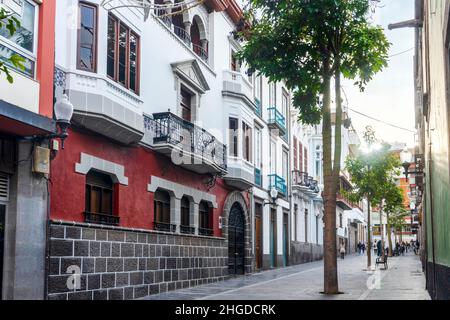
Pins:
<point x="285" y="105"/>
<point x="247" y="142"/>
<point x="317" y="229"/>
<point x="295" y="154"/>
<point x="185" y="212"/>
<point x="300" y="156"/>
<point x="87" y="38"/>
<point x="23" y="42"/>
<point x="186" y="113"/>
<point x="272" y="95"/>
<point x="257" y="88"/>
<point x="273" y="157"/>
<point x="305" y="155"/>
<point x="285" y="165"/>
<point x="123" y="54"/>
<point x="258" y="148"/>
<point x="99" y="193"/>
<point x="234" y="135"/>
<point x="162" y="209"/>
<point x="340" y="220"/>
<point x="318" y="161"/>
<point x="205" y="221"/>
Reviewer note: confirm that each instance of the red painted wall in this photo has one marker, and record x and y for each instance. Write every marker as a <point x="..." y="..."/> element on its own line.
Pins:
<point x="46" y="56"/>
<point x="135" y="205"/>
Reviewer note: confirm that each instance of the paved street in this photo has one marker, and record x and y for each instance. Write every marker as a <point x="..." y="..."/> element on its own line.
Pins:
<point x="403" y="280"/>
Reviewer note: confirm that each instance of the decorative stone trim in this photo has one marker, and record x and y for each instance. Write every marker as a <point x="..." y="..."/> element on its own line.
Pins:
<point x="89" y="162"/>
<point x="180" y="190"/>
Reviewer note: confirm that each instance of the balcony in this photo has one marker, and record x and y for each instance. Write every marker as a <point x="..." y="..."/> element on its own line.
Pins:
<point x="200" y="51"/>
<point x="341" y="200"/>
<point x="182" y="34"/>
<point x="236" y="86"/>
<point x="167" y="227"/>
<point x="241" y="174"/>
<point x="187" y="229"/>
<point x="187" y="144"/>
<point x="205" y="232"/>
<point x="277" y="121"/>
<point x="278" y="183"/>
<point x="99" y="218"/>
<point x="304" y="183"/>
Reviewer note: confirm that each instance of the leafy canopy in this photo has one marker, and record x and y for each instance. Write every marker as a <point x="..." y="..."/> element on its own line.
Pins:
<point x="373" y="177"/>
<point x="291" y="39"/>
<point x="11" y="23"/>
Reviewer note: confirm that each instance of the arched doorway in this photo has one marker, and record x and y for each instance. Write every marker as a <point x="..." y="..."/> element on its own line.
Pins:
<point x="236" y="240"/>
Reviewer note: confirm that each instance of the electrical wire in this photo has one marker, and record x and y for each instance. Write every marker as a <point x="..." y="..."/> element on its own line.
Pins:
<point x="381" y="121"/>
<point x="399" y="53"/>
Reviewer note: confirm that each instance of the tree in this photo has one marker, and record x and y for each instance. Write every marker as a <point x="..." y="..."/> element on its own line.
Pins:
<point x="305" y="44"/>
<point x="11" y="23"/>
<point x="393" y="203"/>
<point x="372" y="174"/>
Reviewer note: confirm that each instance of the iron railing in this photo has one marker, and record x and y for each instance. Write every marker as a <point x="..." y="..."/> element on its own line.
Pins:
<point x="100" y="218"/>
<point x="278" y="183"/>
<point x="205" y="231"/>
<point x="162" y="226"/>
<point x="161" y="15"/>
<point x="258" y="109"/>
<point x="182" y="34"/>
<point x="200" y="51"/>
<point x="302" y="179"/>
<point x="187" y="229"/>
<point x="169" y="128"/>
<point x="277" y="118"/>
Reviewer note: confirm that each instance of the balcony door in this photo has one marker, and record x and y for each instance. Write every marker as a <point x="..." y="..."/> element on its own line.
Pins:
<point x="186" y="104"/>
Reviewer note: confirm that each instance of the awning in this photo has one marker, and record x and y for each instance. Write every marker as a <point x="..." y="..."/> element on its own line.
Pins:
<point x="20" y="122"/>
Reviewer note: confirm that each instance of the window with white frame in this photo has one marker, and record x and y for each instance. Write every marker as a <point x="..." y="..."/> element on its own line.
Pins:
<point x="272" y="95"/>
<point x="258" y="147"/>
<point x="246" y="142"/>
<point x="23" y="41"/>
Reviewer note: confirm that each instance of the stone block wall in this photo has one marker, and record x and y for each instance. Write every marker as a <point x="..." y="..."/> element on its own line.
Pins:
<point x="116" y="263"/>
<point x="302" y="252"/>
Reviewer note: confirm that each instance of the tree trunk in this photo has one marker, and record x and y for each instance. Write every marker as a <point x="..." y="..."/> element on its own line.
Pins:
<point x="330" y="247"/>
<point x="389" y="234"/>
<point x="382" y="232"/>
<point x="369" y="240"/>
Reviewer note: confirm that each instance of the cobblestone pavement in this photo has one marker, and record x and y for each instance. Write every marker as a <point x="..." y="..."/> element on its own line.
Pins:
<point x="404" y="280"/>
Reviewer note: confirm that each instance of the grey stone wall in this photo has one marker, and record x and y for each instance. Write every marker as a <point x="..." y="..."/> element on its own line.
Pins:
<point x="302" y="252"/>
<point x="116" y="263"/>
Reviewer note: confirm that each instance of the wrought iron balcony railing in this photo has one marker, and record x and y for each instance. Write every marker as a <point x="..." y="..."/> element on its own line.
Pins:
<point x="278" y="182"/>
<point x="187" y="229"/>
<point x="182" y="34"/>
<point x="161" y="14"/>
<point x="258" y="109"/>
<point x="168" y="128"/>
<point x="205" y="231"/>
<point x="162" y="226"/>
<point x="300" y="179"/>
<point x="276" y="119"/>
<point x="200" y="51"/>
<point x="100" y="218"/>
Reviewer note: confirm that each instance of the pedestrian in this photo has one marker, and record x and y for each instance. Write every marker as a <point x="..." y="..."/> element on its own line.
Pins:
<point x="359" y="247"/>
<point x="363" y="248"/>
<point x="342" y="251"/>
<point x="379" y="248"/>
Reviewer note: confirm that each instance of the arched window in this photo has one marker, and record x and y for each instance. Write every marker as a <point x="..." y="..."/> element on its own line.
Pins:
<point x="205" y="220"/>
<point x="162" y="210"/>
<point x="201" y="49"/>
<point x="99" y="199"/>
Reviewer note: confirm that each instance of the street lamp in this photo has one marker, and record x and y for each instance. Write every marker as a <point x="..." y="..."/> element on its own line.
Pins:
<point x="273" y="193"/>
<point x="63" y="115"/>
<point x="406" y="158"/>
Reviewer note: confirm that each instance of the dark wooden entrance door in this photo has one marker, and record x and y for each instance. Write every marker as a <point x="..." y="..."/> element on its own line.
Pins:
<point x="236" y="240"/>
<point x="2" y="241"/>
<point x="258" y="235"/>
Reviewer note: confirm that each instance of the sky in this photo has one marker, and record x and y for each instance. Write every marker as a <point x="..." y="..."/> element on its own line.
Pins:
<point x="390" y="95"/>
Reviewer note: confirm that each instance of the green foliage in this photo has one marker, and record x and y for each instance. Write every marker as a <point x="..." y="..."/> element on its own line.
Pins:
<point x="291" y="39"/>
<point x="397" y="219"/>
<point x="11" y="23"/>
<point x="373" y="177"/>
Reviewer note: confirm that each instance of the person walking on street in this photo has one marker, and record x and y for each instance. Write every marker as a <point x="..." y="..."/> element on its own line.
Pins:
<point x="342" y="251"/>
<point x="363" y="248"/>
<point x="379" y="248"/>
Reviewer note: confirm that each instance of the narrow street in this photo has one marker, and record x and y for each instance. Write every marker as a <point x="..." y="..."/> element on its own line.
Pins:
<point x="404" y="280"/>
